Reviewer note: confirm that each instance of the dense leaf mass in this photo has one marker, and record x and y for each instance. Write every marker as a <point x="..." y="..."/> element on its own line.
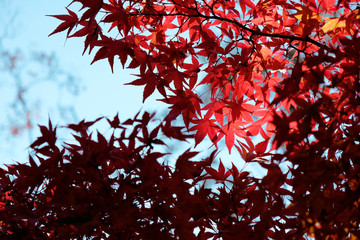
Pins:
<point x="285" y="71"/>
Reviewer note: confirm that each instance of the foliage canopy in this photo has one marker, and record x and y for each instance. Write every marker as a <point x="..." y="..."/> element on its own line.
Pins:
<point x="286" y="71"/>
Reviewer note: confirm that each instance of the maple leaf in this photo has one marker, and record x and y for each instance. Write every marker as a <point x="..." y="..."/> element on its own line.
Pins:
<point x="261" y="147"/>
<point x="117" y="17"/>
<point x="151" y="82"/>
<point x="70" y="21"/>
<point x="247" y="151"/>
<point x="332" y="24"/>
<point x="282" y="128"/>
<point x="115" y="123"/>
<point x="186" y="103"/>
<point x="230" y="130"/>
<point x="205" y="127"/>
<point x="175" y="132"/>
<point x="186" y="168"/>
<point x="220" y="174"/>
<point x="82" y="127"/>
<point x="93" y="6"/>
<point x="245" y="3"/>
<point x="48" y="136"/>
<point x="91" y="30"/>
<point x="327" y="4"/>
<point x="110" y="48"/>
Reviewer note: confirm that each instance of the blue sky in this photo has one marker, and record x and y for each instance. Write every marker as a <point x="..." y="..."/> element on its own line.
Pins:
<point x="101" y="92"/>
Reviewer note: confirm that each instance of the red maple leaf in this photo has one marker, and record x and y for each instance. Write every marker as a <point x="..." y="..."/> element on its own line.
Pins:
<point x="70" y="21"/>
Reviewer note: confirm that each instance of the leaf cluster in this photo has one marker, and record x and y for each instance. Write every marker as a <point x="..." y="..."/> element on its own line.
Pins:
<point x="284" y="71"/>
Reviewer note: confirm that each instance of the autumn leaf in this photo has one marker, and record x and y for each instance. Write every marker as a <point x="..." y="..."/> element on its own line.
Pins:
<point x="332" y="24"/>
<point x="70" y="21"/>
<point x="205" y="127"/>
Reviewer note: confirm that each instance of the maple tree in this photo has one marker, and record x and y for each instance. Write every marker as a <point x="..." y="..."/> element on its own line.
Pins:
<point x="284" y="71"/>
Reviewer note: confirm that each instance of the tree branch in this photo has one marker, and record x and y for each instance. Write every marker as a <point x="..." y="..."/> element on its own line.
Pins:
<point x="236" y="23"/>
